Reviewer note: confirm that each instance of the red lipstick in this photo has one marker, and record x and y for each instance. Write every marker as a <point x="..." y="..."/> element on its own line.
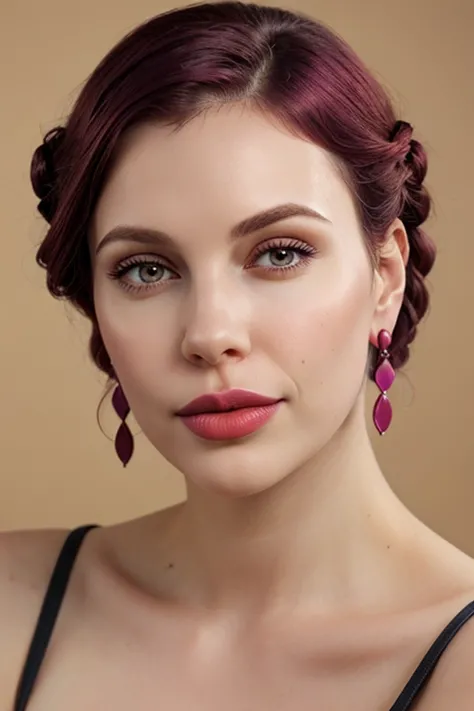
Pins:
<point x="228" y="415"/>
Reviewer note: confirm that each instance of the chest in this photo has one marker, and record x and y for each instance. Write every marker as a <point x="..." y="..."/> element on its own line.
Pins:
<point x="134" y="658"/>
<point x="98" y="672"/>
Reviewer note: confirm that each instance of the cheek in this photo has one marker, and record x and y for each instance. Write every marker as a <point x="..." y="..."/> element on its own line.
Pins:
<point x="135" y="336"/>
<point x="324" y="333"/>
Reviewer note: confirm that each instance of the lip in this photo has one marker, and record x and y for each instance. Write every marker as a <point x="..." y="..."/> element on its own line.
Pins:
<point x="226" y="401"/>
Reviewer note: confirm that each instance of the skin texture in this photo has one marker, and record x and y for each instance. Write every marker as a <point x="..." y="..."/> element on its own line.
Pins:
<point x="291" y="577"/>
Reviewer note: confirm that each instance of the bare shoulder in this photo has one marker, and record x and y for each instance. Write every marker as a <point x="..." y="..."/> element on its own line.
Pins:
<point x="27" y="560"/>
<point x="452" y="684"/>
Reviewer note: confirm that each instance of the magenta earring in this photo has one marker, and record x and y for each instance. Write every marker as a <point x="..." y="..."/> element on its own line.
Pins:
<point x="384" y="377"/>
<point x="124" y="438"/>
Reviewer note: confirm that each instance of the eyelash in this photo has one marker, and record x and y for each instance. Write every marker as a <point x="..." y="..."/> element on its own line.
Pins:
<point x="305" y="251"/>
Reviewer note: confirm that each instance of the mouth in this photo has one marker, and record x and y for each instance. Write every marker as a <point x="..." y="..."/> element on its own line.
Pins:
<point x="226" y="402"/>
<point x="228" y="416"/>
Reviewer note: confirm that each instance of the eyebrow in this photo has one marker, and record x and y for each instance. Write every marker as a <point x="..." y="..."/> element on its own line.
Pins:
<point x="148" y="235"/>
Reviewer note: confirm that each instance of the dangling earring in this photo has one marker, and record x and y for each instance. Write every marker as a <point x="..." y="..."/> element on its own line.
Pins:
<point x="124" y="438"/>
<point x="384" y="377"/>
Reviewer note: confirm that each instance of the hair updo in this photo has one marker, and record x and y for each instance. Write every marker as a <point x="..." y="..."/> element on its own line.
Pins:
<point x="182" y="62"/>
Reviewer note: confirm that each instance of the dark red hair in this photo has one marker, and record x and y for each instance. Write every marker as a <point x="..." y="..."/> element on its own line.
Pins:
<point x="184" y="61"/>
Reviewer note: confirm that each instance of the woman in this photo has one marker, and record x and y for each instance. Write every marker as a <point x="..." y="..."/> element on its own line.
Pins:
<point x="237" y="210"/>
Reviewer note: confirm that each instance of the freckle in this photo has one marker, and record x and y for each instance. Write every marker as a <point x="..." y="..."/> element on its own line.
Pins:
<point x="388" y="546"/>
<point x="170" y="565"/>
<point x="303" y="362"/>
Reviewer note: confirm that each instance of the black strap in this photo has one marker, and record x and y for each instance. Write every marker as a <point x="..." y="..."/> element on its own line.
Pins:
<point x="426" y="667"/>
<point x="49" y="613"/>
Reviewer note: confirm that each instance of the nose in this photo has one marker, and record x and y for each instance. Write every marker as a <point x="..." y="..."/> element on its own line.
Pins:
<point x="216" y="326"/>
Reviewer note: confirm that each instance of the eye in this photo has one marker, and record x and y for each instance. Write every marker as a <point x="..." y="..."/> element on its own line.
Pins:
<point x="138" y="273"/>
<point x="279" y="257"/>
<point x="147" y="272"/>
<point x="283" y="255"/>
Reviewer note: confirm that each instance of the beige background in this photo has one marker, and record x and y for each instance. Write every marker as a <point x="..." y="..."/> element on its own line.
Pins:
<point x="56" y="467"/>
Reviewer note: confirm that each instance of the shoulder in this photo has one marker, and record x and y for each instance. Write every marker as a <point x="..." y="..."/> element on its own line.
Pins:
<point x="452" y="683"/>
<point x="27" y="560"/>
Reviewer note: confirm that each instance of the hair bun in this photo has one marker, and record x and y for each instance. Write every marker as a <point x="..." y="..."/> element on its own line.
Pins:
<point x="399" y="129"/>
<point x="401" y="134"/>
<point x="43" y="171"/>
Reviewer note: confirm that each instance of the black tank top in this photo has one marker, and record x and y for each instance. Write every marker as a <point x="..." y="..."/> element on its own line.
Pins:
<point x="57" y="589"/>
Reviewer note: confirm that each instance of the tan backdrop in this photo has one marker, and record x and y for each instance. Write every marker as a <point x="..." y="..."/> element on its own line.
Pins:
<point x="57" y="468"/>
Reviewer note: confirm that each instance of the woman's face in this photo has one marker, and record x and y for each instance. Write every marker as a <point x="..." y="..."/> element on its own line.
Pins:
<point x="285" y="310"/>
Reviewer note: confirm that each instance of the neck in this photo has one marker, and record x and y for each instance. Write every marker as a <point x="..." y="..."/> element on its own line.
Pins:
<point x="331" y="534"/>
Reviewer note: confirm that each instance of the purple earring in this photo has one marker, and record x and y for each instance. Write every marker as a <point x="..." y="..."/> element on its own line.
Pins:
<point x="124" y="438"/>
<point x="384" y="377"/>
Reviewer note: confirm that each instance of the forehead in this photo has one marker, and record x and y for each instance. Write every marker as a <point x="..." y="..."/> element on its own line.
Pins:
<point x="222" y="166"/>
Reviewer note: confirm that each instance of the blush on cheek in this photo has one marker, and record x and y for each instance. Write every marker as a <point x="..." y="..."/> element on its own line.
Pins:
<point x="325" y="343"/>
<point x="139" y="336"/>
<point x="322" y="318"/>
<point x="120" y="341"/>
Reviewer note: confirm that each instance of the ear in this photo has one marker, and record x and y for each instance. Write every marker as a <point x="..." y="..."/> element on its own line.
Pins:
<point x="390" y="279"/>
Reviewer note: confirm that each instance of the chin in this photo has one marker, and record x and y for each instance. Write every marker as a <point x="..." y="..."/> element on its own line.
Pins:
<point x="233" y="470"/>
<point x="233" y="486"/>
